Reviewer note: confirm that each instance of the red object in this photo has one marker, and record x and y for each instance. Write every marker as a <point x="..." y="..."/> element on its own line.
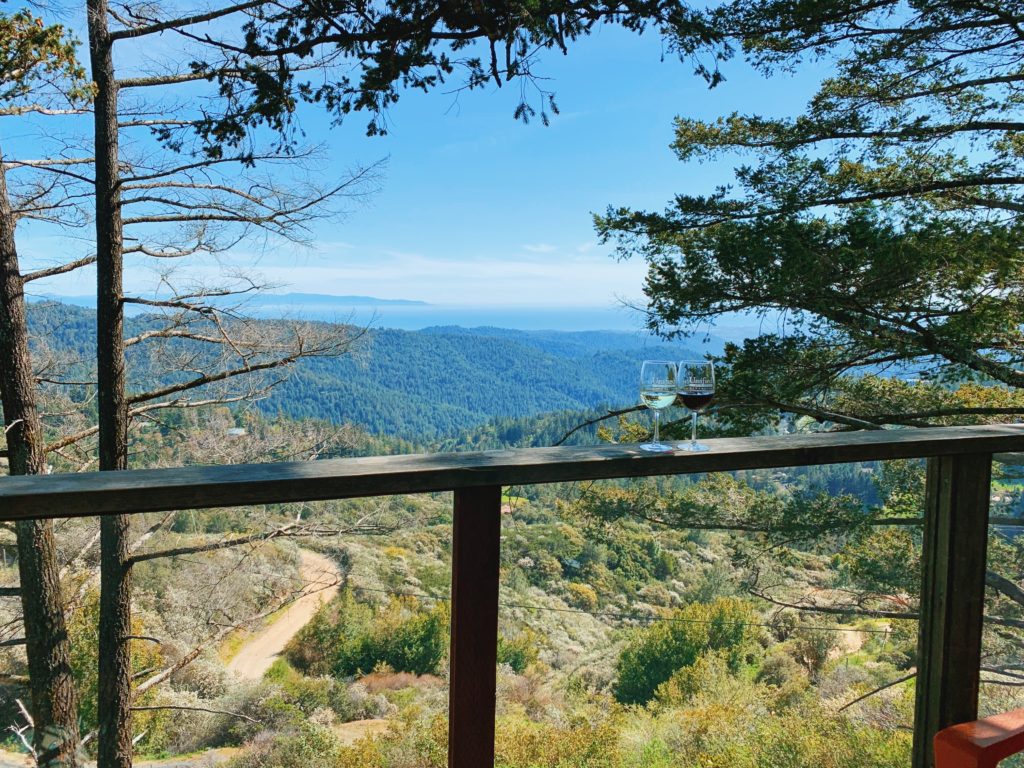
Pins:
<point x="981" y="743"/>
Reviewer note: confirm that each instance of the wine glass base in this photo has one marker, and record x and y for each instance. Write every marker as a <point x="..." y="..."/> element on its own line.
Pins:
<point x="694" y="447"/>
<point x="656" y="447"/>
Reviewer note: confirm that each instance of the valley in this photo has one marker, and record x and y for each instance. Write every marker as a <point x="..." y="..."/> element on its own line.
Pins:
<point x="633" y="613"/>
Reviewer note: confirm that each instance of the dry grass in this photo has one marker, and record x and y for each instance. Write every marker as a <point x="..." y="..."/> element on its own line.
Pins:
<point x="377" y="682"/>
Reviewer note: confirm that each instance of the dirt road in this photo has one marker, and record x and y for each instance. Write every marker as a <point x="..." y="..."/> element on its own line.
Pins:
<point x="258" y="653"/>
<point x="320" y="576"/>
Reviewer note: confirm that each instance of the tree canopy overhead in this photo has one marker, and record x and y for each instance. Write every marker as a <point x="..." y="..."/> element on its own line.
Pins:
<point x="922" y="109"/>
<point x="377" y="50"/>
<point x="880" y="226"/>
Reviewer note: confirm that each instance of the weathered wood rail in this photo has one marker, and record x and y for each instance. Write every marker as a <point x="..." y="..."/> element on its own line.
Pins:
<point x="955" y="534"/>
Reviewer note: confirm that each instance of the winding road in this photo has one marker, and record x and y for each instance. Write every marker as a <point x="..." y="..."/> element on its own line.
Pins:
<point x="321" y="578"/>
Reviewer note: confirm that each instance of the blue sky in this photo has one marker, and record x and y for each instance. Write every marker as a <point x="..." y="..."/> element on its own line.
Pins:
<point x="474" y="208"/>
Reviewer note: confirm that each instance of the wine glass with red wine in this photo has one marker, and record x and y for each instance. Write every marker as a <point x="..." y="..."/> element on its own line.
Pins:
<point x="696" y="390"/>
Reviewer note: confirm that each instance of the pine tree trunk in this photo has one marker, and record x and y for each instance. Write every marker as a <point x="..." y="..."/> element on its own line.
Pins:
<point x="115" y="694"/>
<point x="54" y="707"/>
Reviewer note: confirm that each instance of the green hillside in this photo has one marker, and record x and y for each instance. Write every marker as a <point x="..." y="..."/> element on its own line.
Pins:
<point x="429" y="384"/>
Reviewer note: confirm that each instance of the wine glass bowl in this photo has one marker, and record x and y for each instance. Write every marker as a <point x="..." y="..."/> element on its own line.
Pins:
<point x="696" y="391"/>
<point x="658" y="390"/>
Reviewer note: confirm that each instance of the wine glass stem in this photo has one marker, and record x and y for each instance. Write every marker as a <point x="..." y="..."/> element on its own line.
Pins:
<point x="693" y="433"/>
<point x="657" y="419"/>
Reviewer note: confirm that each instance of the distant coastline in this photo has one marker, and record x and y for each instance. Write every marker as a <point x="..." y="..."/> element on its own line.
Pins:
<point x="414" y="315"/>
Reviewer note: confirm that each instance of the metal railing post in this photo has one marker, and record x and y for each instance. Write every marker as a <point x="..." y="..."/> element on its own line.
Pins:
<point x="953" y="564"/>
<point x="476" y="545"/>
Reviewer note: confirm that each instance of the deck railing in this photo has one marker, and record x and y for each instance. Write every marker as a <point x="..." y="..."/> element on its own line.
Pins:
<point x="954" y="543"/>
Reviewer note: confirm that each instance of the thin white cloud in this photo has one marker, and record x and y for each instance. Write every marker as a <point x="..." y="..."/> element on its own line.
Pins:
<point x="509" y="281"/>
<point x="540" y="248"/>
<point x="516" y="278"/>
<point x="324" y="247"/>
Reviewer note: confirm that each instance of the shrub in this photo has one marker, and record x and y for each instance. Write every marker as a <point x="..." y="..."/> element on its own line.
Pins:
<point x="726" y="724"/>
<point x="901" y="657"/>
<point x="654" y="653"/>
<point x="83" y="633"/>
<point x="348" y="638"/>
<point x="339" y="623"/>
<point x="599" y="578"/>
<point x="636" y="558"/>
<point x="309" y="694"/>
<point x="518" y="652"/>
<point x="709" y="674"/>
<point x="813" y="738"/>
<point x="521" y="743"/>
<point x="886" y="560"/>
<point x="581" y="596"/>
<point x="415" y="643"/>
<point x="309" y="746"/>
<point x="813" y="647"/>
<point x="546" y="569"/>
<point x="778" y="668"/>
<point x="421" y="744"/>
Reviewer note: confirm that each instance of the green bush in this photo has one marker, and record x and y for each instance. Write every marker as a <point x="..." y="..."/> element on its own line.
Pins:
<point x="340" y="623"/>
<point x="636" y="558"/>
<point x="83" y="634"/>
<point x="518" y="652"/>
<point x="415" y="643"/>
<point x="309" y="694"/>
<point x="728" y="727"/>
<point x="653" y="654"/>
<point x="581" y="596"/>
<point x="348" y="638"/>
<point x="779" y="668"/>
<point x="812" y="648"/>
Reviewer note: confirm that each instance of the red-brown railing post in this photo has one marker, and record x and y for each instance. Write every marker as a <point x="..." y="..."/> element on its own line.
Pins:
<point x="952" y="597"/>
<point x="476" y="546"/>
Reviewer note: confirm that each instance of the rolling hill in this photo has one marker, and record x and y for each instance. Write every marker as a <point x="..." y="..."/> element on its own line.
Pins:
<point x="429" y="384"/>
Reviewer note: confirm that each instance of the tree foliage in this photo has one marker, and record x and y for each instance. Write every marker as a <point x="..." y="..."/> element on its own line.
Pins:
<point x="878" y="228"/>
<point x="409" y="45"/>
<point x="36" y="56"/>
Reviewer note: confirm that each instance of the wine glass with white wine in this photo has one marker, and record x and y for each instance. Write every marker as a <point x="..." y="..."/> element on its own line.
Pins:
<point x="696" y="390"/>
<point x="658" y="388"/>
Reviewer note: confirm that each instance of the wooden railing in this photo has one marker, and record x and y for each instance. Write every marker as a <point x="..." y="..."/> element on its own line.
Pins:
<point x="954" y="549"/>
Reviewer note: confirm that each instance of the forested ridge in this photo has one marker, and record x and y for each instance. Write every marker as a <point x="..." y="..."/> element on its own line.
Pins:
<point x="425" y="385"/>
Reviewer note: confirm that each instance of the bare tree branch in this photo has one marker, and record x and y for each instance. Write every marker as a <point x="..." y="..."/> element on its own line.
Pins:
<point x="288" y="531"/>
<point x="62" y="269"/>
<point x="185" y="21"/>
<point x="158" y="707"/>
<point x="879" y="689"/>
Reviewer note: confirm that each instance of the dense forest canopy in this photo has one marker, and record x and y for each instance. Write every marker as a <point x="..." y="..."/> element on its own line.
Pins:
<point x="423" y="386"/>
